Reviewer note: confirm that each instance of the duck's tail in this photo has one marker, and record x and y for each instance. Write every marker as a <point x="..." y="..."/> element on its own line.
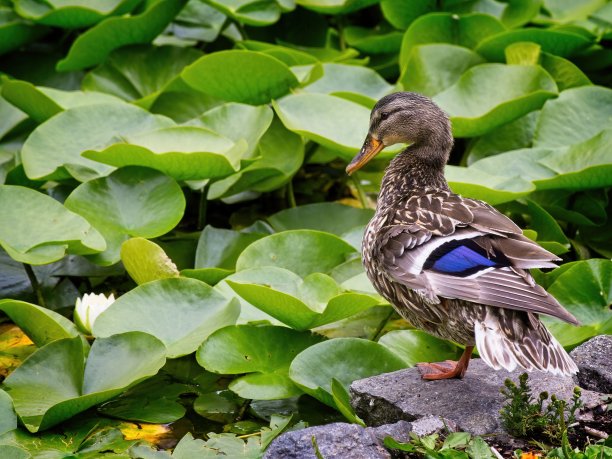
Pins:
<point x="509" y="339"/>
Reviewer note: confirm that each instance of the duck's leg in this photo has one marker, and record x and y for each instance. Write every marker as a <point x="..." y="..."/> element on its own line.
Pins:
<point x="448" y="369"/>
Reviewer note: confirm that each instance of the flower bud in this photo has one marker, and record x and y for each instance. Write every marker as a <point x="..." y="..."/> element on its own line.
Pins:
<point x="88" y="308"/>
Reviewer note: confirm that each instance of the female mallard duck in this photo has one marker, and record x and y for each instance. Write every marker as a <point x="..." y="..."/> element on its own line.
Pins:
<point x="452" y="266"/>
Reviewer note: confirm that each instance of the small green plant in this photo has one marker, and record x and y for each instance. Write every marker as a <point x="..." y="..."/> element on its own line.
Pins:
<point x="457" y="445"/>
<point x="528" y="417"/>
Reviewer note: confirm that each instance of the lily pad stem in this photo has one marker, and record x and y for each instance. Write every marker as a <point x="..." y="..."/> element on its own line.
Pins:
<point x="203" y="207"/>
<point x="35" y="285"/>
<point x="290" y="194"/>
<point x="242" y="411"/>
<point x="381" y="326"/>
<point x="363" y="199"/>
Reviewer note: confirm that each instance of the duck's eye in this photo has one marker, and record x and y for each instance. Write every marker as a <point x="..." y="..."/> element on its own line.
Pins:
<point x="384" y="115"/>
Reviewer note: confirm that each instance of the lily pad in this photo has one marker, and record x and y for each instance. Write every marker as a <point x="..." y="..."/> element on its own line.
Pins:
<point x="132" y="201"/>
<point x="182" y="152"/>
<point x="466" y="30"/>
<point x="585" y="289"/>
<point x="37" y="229"/>
<point x="300" y="251"/>
<point x="315" y="301"/>
<point x="325" y="216"/>
<point x="72" y="14"/>
<point x="145" y="261"/>
<point x="401" y="14"/>
<point x="238" y="122"/>
<point x="335" y="6"/>
<point x="373" y="41"/>
<point x="94" y="45"/>
<point x="240" y="76"/>
<point x="15" y="32"/>
<point x="140" y="73"/>
<point x="41" y="325"/>
<point x="344" y="359"/>
<point x="489" y="95"/>
<point x="587" y="109"/>
<point x="8" y="418"/>
<point x="432" y="68"/>
<point x="231" y="350"/>
<point x="557" y="42"/>
<point x="280" y="154"/>
<point x="54" y="384"/>
<point x="250" y="12"/>
<point x="178" y="311"/>
<point x="341" y="78"/>
<point x="415" y="346"/>
<point x="42" y="103"/>
<point x="333" y="122"/>
<point x="53" y="152"/>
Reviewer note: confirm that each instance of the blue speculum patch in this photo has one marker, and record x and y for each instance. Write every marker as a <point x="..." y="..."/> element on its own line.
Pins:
<point x="462" y="259"/>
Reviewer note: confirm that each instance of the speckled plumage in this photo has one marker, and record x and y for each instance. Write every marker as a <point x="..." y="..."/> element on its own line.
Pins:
<point x="494" y="302"/>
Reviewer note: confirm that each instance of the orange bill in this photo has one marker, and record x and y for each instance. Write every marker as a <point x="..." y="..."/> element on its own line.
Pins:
<point x="371" y="147"/>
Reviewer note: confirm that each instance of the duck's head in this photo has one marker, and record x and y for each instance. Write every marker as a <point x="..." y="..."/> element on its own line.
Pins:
<point x="405" y="117"/>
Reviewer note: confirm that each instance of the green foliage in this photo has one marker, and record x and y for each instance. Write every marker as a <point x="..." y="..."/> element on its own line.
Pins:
<point x="456" y="445"/>
<point x="188" y="156"/>
<point x="526" y="417"/>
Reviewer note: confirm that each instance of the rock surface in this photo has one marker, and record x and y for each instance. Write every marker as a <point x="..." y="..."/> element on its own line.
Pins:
<point x="473" y="403"/>
<point x="594" y="359"/>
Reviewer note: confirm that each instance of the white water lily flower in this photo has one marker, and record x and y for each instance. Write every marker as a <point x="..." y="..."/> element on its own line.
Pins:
<point x="88" y="308"/>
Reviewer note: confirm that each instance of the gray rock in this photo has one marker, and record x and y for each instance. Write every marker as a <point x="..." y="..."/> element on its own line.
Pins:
<point x="398" y="431"/>
<point x="594" y="359"/>
<point x="428" y="425"/>
<point x="335" y="441"/>
<point x="473" y="403"/>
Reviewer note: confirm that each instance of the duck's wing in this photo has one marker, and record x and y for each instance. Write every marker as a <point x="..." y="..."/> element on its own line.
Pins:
<point x="443" y="245"/>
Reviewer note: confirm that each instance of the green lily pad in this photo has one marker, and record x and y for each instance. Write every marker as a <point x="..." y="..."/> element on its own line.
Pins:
<point x="587" y="109"/>
<point x="335" y="6"/>
<point x="315" y="301"/>
<point x="132" y="201"/>
<point x="197" y="21"/>
<point x="217" y="252"/>
<point x="140" y="73"/>
<point x="53" y="152"/>
<point x="8" y="418"/>
<point x="155" y="400"/>
<point x="280" y="154"/>
<point x="289" y="56"/>
<point x="14" y="452"/>
<point x="240" y="76"/>
<point x="489" y="95"/>
<point x="344" y="359"/>
<point x="432" y="68"/>
<point x="401" y="14"/>
<point x="325" y="216"/>
<point x="72" y="14"/>
<point x="512" y="136"/>
<point x="42" y="103"/>
<point x="54" y="384"/>
<point x="178" y="311"/>
<point x="341" y="78"/>
<point x="264" y="353"/>
<point x="466" y="30"/>
<point x="145" y="261"/>
<point x="478" y="183"/>
<point x="238" y="122"/>
<point x="557" y="42"/>
<point x="301" y="251"/>
<point x="585" y="289"/>
<point x="15" y="32"/>
<point x="93" y="46"/>
<point x="373" y="41"/>
<point x="37" y="229"/>
<point x="10" y="116"/>
<point x="415" y="346"/>
<point x="333" y="122"/>
<point x="182" y="152"/>
<point x="251" y="12"/>
<point x="41" y="325"/>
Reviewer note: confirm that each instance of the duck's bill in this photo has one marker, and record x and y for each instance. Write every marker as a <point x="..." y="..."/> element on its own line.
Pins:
<point x="371" y="147"/>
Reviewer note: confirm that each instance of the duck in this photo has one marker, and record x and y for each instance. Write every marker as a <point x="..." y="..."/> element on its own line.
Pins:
<point x="452" y="266"/>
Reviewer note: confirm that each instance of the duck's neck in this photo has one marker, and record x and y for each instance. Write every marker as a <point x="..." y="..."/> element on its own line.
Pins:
<point x="419" y="167"/>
